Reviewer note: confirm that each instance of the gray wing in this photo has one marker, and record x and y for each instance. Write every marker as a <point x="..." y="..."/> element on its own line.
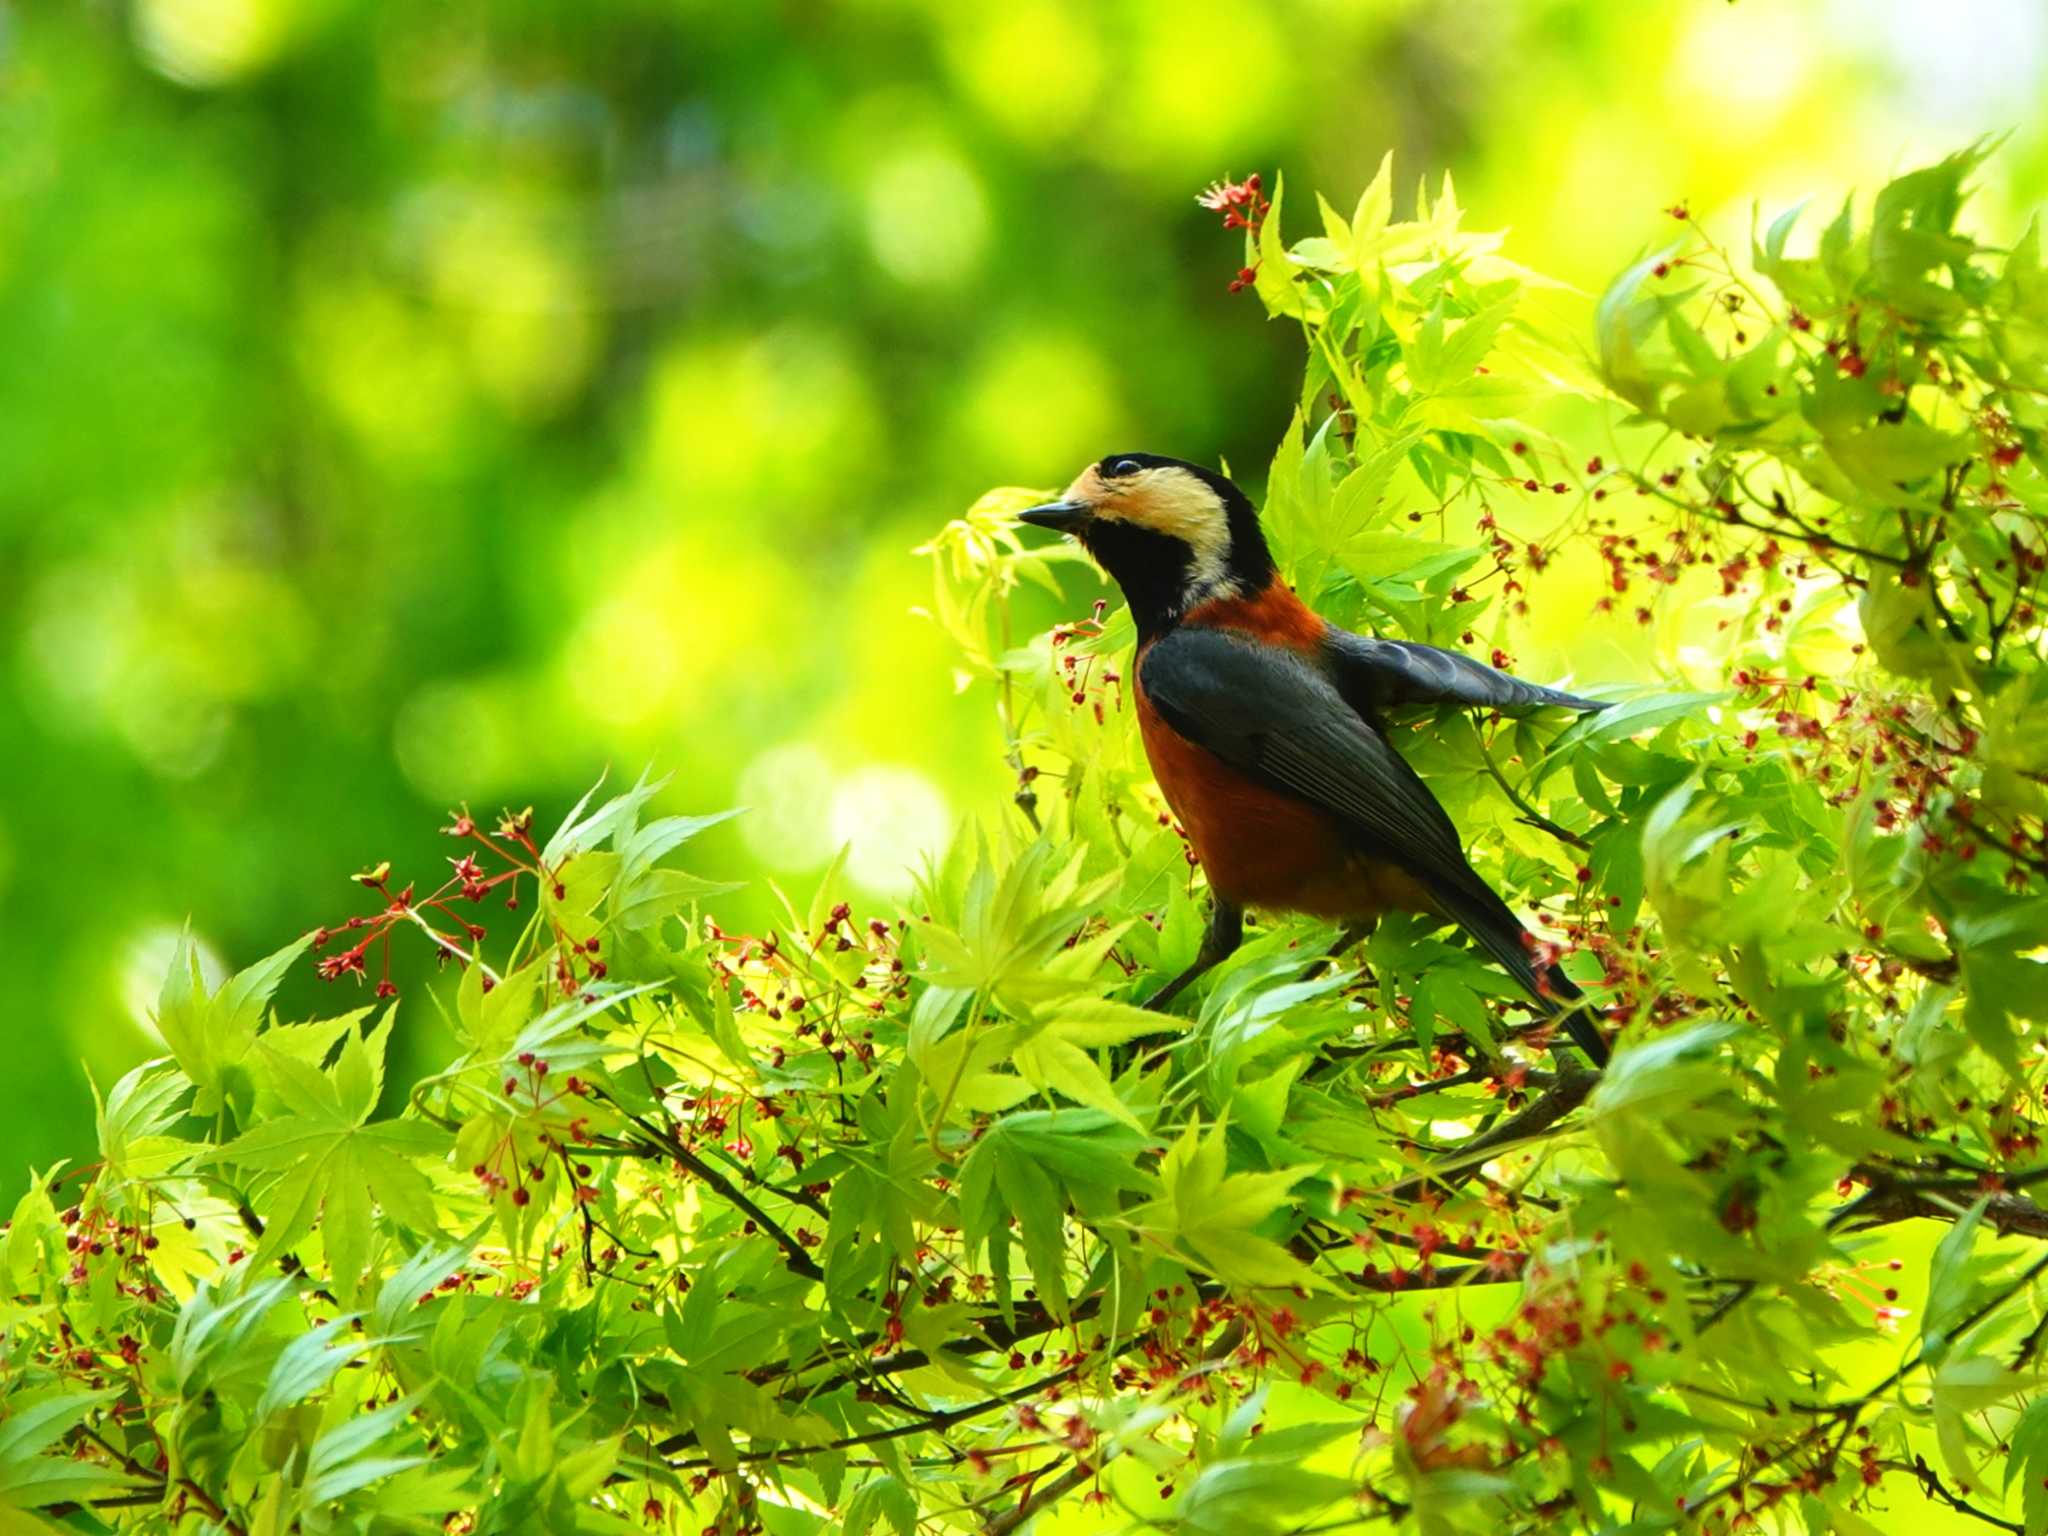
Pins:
<point x="1283" y="723"/>
<point x="1376" y="673"/>
<point x="1273" y="716"/>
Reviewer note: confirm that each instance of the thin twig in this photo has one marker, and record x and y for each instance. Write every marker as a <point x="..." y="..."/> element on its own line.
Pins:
<point x="1742" y="1291"/>
<point x="1930" y="1482"/>
<point x="1567" y="1091"/>
<point x="930" y="1422"/>
<point x="798" y="1256"/>
<point x="1530" y="814"/>
<point x="1957" y="1330"/>
<point x="1891" y="1199"/>
<point x="1039" y="1499"/>
<point x="2031" y="1344"/>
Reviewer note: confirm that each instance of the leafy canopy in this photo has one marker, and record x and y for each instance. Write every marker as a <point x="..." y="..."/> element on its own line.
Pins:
<point x="917" y="1221"/>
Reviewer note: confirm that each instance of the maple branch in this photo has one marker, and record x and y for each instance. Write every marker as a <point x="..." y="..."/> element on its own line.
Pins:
<point x="669" y="1145"/>
<point x="1891" y="1198"/>
<point x="1567" y="1091"/>
<point x="1039" y="1499"/>
<point x="941" y="1419"/>
<point x="1529" y="814"/>
<point x="1930" y="1482"/>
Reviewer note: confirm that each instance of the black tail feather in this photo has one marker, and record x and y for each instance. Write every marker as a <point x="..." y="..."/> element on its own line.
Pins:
<point x="1481" y="913"/>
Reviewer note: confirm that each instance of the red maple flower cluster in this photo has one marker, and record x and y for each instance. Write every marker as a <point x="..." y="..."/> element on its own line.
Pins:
<point x="1244" y="207"/>
<point x="510" y="846"/>
<point x="1241" y="203"/>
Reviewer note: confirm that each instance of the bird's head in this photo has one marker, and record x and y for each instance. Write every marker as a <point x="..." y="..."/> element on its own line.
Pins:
<point x="1170" y="534"/>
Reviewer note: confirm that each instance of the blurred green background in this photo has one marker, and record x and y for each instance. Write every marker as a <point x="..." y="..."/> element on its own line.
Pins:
<point x="417" y="403"/>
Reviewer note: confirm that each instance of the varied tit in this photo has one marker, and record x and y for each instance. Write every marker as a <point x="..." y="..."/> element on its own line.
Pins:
<point x="1261" y="721"/>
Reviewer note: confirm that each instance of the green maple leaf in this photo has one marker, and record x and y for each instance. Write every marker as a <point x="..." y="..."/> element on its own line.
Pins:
<point x="1212" y="1214"/>
<point x="211" y="1035"/>
<point x="34" y="1468"/>
<point x="331" y="1163"/>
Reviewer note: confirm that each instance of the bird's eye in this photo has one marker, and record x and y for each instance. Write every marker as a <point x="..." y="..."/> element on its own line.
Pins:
<point x="1117" y="467"/>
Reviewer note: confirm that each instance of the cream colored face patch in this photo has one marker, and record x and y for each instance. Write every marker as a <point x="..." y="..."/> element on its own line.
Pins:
<point x="1169" y="501"/>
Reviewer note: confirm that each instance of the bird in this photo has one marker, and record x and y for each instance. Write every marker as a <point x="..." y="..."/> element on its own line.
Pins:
<point x="1262" y="724"/>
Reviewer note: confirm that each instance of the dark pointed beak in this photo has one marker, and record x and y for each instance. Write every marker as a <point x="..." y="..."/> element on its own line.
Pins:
<point x="1059" y="516"/>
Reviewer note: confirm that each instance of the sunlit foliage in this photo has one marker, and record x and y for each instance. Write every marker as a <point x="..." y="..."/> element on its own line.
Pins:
<point x="910" y="1218"/>
<point x="404" y="402"/>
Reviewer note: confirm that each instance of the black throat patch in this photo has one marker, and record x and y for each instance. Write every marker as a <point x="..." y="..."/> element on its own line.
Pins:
<point x="1157" y="571"/>
<point x="1153" y="569"/>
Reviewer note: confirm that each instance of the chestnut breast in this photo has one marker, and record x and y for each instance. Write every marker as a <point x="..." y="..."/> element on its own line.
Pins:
<point x="1258" y="846"/>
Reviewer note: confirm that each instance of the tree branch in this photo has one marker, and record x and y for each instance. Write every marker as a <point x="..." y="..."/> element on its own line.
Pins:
<point x="1530" y="814"/>
<point x="1931" y="1483"/>
<point x="668" y="1145"/>
<point x="1567" y="1091"/>
<point x="1039" y="1499"/>
<point x="1033" y="1321"/>
<point x="1891" y="1198"/>
<point x="944" y="1419"/>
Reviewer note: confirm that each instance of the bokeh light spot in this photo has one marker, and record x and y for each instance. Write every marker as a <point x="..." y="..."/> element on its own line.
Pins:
<point x="786" y="791"/>
<point x="1039" y="404"/>
<point x="625" y="657"/>
<point x="927" y="216"/>
<point x="892" y="819"/>
<point x="784" y="415"/>
<point x="388" y="374"/>
<point x="1969" y="66"/>
<point x="99" y="659"/>
<point x="451" y="740"/>
<point x="1033" y="66"/>
<point x="529" y="326"/>
<point x="210" y="42"/>
<point x="1744" y="64"/>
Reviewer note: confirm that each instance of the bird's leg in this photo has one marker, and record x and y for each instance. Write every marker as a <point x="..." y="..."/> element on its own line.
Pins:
<point x="1350" y="934"/>
<point x="1219" y="942"/>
